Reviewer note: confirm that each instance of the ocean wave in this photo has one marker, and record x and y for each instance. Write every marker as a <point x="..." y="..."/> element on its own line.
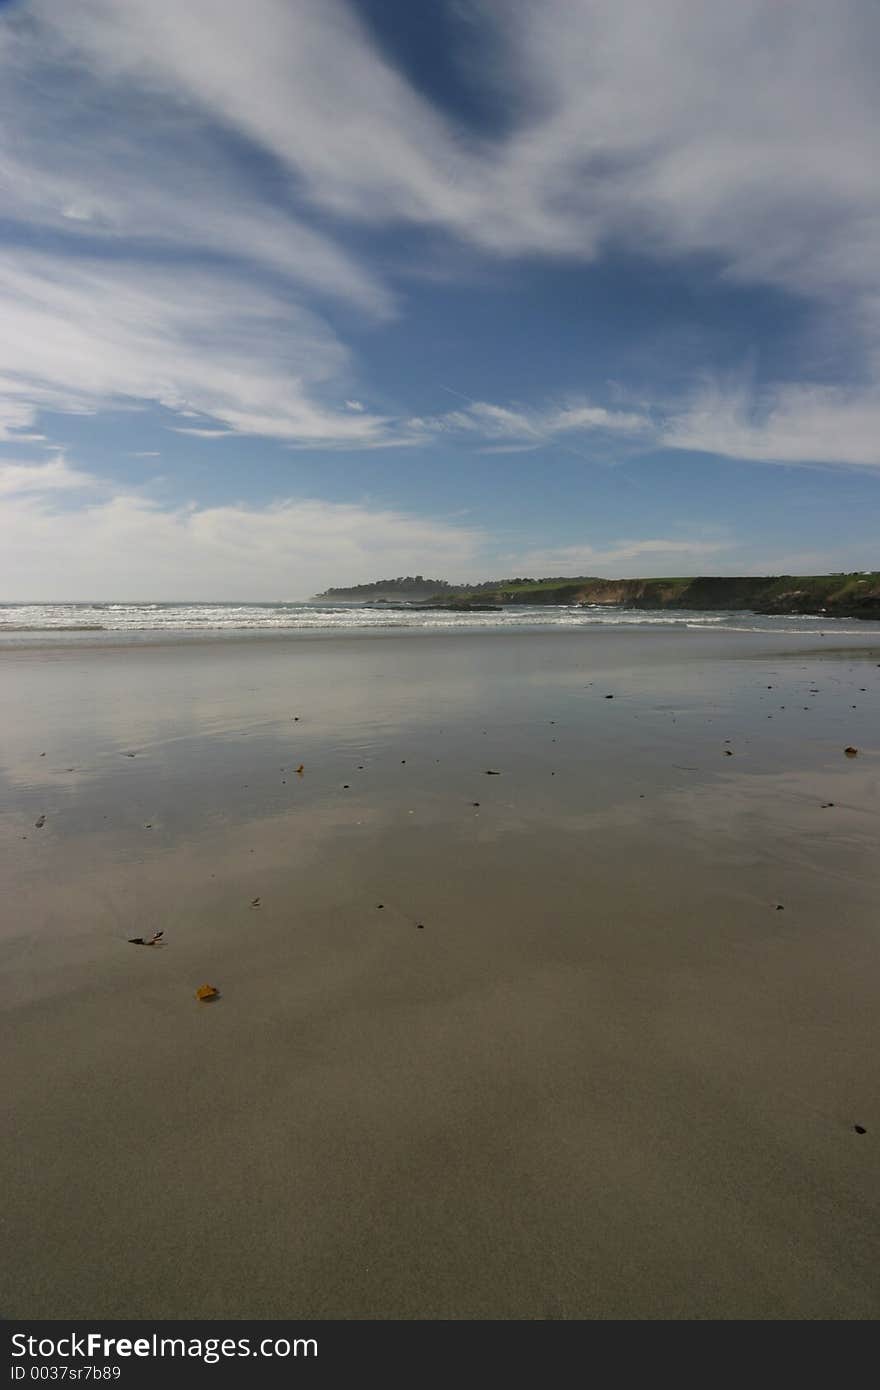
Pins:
<point x="182" y="619"/>
<point x="52" y="627"/>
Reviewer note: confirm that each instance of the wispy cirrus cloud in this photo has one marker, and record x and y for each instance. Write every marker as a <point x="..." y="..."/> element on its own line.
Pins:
<point x="681" y="127"/>
<point x="787" y="424"/>
<point x="158" y="176"/>
<point x="222" y="159"/>
<point x="82" y="335"/>
<point x="522" y="427"/>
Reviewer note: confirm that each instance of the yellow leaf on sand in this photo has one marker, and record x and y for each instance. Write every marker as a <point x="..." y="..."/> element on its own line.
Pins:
<point x="206" y="992"/>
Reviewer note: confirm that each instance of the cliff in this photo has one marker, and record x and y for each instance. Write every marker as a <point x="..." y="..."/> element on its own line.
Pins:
<point x="839" y="595"/>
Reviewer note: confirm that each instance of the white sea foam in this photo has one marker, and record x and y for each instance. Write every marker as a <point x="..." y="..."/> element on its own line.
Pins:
<point x="19" y="621"/>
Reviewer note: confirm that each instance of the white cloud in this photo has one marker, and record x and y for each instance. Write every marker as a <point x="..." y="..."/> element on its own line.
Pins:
<point x="789" y="424"/>
<point x="129" y="546"/>
<point x="17" y="479"/>
<point x="622" y="558"/>
<point x="687" y="127"/>
<point x="531" y="428"/>
<point x="81" y="335"/>
<point x="743" y="133"/>
<point x="152" y="171"/>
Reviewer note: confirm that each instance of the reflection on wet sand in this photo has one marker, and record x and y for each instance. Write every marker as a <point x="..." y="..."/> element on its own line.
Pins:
<point x="591" y="1037"/>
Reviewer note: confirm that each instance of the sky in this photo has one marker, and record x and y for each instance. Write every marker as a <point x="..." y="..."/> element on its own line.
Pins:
<point x="307" y="292"/>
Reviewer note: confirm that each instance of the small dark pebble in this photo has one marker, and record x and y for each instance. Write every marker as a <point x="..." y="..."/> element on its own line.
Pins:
<point x="402" y="761"/>
<point x="780" y="907"/>
<point x="345" y="787"/>
<point x="609" y="697"/>
<point x="255" y="902"/>
<point x="826" y="804"/>
<point x="860" y="1129"/>
<point x="475" y="803"/>
<point x="490" y="772"/>
<point x="42" y="755"/>
<point x="727" y="753"/>
<point x="40" y="822"/>
<point x="380" y="904"/>
<point x="420" y="926"/>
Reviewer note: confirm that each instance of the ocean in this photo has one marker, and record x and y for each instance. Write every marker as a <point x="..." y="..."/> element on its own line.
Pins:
<point x="23" y="623"/>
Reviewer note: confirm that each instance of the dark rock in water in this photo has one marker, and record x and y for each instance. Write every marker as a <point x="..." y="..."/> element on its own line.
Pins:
<point x="860" y="1129"/>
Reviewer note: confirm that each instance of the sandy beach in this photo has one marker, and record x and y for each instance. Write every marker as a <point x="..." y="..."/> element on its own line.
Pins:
<point x="588" y="1038"/>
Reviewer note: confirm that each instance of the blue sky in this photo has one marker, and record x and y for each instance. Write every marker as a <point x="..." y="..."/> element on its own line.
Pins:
<point x="315" y="291"/>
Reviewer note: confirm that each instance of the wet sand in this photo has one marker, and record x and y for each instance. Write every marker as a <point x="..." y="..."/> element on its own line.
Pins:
<point x="600" y="1053"/>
